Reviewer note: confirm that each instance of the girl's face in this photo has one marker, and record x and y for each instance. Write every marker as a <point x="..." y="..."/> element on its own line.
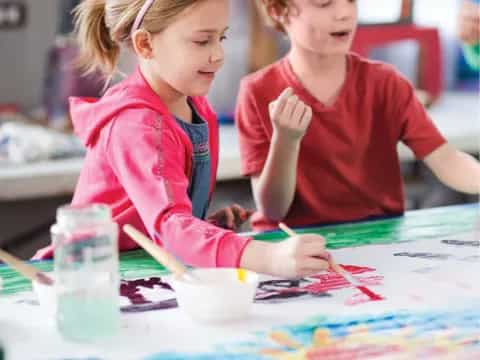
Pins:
<point x="189" y="52"/>
<point x="325" y="27"/>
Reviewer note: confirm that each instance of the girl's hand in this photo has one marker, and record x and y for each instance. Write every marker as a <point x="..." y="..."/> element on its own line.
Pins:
<point x="231" y="217"/>
<point x="296" y="257"/>
<point x="290" y="116"/>
<point x="299" y="256"/>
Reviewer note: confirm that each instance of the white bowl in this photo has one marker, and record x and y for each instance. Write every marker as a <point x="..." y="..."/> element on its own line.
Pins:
<point x="46" y="296"/>
<point x="218" y="296"/>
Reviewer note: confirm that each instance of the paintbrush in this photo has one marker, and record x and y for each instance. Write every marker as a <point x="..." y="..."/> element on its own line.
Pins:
<point x="27" y="270"/>
<point x="338" y="269"/>
<point x="160" y="254"/>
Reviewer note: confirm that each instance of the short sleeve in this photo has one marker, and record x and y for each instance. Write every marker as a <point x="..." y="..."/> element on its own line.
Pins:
<point x="414" y="126"/>
<point x="253" y="138"/>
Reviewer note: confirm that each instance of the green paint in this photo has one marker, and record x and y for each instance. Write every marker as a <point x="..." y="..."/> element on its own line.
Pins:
<point x="415" y="225"/>
<point x="439" y="223"/>
<point x="472" y="55"/>
<point x="133" y="265"/>
<point x="13" y="282"/>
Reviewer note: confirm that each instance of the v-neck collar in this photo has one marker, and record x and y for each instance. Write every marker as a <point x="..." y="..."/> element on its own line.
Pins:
<point x="309" y="99"/>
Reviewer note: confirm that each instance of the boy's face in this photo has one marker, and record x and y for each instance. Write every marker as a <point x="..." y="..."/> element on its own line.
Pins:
<point x="189" y="52"/>
<point x="324" y="27"/>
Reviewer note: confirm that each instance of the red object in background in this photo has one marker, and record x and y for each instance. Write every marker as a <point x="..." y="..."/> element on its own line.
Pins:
<point x="428" y="38"/>
<point x="9" y="109"/>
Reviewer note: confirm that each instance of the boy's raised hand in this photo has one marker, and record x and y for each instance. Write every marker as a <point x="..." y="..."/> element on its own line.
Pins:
<point x="469" y="23"/>
<point x="290" y="116"/>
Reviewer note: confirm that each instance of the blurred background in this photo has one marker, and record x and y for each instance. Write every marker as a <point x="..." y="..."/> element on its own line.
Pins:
<point x="40" y="159"/>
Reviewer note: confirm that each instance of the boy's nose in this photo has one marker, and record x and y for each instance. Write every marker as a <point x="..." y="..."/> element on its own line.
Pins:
<point x="344" y="9"/>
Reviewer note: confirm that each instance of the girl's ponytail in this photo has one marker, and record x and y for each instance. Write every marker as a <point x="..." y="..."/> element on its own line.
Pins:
<point x="98" y="51"/>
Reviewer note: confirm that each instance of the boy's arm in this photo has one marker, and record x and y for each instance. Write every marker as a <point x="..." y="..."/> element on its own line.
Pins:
<point x="274" y="187"/>
<point x="456" y="169"/>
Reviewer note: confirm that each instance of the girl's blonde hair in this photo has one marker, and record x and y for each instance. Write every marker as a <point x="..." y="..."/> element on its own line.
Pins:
<point x="280" y="6"/>
<point x="103" y="26"/>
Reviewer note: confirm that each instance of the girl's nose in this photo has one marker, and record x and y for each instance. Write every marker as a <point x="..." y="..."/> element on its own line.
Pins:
<point x="218" y="54"/>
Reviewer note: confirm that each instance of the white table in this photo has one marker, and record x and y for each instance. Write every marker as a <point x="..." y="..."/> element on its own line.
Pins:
<point x="457" y="116"/>
<point x="412" y="285"/>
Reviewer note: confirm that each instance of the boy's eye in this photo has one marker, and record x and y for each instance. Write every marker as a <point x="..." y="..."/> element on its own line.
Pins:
<point x="322" y="3"/>
<point x="223" y="37"/>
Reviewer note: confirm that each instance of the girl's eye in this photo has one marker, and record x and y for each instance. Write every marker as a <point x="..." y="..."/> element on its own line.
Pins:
<point x="202" y="43"/>
<point x="206" y="42"/>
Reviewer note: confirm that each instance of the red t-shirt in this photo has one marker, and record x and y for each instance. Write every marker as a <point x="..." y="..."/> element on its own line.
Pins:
<point x="348" y="167"/>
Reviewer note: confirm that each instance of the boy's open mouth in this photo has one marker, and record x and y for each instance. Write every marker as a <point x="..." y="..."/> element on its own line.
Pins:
<point x="340" y="34"/>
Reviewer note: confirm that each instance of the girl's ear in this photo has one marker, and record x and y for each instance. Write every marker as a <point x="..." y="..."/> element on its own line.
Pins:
<point x="142" y="44"/>
<point x="278" y="14"/>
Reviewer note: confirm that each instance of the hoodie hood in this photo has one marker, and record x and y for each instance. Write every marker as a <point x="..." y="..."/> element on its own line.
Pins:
<point x="90" y="115"/>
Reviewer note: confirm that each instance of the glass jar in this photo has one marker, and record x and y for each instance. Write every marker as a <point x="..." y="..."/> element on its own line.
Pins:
<point x="86" y="272"/>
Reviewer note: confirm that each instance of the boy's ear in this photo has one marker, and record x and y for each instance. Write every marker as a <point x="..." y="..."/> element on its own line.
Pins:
<point x="142" y="44"/>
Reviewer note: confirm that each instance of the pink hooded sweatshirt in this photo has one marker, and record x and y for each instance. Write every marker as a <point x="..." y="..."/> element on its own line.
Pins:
<point x="139" y="161"/>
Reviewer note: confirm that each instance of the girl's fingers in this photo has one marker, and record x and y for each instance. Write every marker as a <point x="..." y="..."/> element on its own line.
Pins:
<point x="314" y="247"/>
<point x="311" y="264"/>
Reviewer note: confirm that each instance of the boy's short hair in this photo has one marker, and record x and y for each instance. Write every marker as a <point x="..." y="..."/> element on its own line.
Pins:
<point x="280" y="6"/>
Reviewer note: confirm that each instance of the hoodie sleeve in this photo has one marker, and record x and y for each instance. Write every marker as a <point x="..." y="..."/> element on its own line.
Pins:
<point x="148" y="159"/>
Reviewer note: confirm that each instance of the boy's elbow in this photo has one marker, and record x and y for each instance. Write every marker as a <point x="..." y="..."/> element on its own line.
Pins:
<point x="270" y="205"/>
<point x="272" y="212"/>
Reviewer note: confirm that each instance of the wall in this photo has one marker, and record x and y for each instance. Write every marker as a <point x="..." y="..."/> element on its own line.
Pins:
<point x="23" y="54"/>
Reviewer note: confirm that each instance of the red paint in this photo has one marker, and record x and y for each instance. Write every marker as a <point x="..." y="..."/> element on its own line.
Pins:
<point x="333" y="281"/>
<point x="321" y="284"/>
<point x="353" y="352"/>
<point x="372" y="296"/>
<point x="357" y="299"/>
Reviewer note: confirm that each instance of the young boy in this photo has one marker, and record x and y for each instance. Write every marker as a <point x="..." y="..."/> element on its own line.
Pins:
<point x="326" y="150"/>
<point x="469" y="31"/>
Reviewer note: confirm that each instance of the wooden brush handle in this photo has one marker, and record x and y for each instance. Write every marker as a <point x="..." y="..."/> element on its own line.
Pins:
<point x="287" y="230"/>
<point x="29" y="271"/>
<point x="158" y="253"/>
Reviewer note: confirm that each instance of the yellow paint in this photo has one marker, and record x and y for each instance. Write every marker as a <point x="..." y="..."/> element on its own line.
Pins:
<point x="321" y="337"/>
<point x="284" y="340"/>
<point x="242" y="275"/>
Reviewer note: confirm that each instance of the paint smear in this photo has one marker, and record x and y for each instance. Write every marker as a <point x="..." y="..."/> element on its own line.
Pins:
<point x="131" y="289"/>
<point x="424" y="255"/>
<point x="393" y="335"/>
<point x="474" y="243"/>
<point x="317" y="285"/>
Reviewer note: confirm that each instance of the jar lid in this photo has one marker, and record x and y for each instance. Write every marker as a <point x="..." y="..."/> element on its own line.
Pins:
<point x="93" y="214"/>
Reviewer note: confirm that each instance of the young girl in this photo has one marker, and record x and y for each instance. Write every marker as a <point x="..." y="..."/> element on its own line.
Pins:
<point x="152" y="145"/>
<point x="326" y="150"/>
